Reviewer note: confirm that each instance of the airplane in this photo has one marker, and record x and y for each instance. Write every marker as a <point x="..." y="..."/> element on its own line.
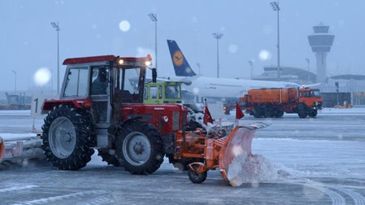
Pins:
<point x="214" y="88"/>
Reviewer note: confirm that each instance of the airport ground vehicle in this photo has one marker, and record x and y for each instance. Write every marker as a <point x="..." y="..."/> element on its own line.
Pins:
<point x="101" y="107"/>
<point x="170" y="92"/>
<point x="273" y="102"/>
<point x="162" y="92"/>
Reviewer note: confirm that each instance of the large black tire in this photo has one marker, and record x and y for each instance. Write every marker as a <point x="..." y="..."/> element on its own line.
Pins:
<point x="302" y="111"/>
<point x="68" y="149"/>
<point x="145" y="137"/>
<point x="197" y="178"/>
<point x="312" y="113"/>
<point x="108" y="158"/>
<point x="279" y="113"/>
<point x="258" y="112"/>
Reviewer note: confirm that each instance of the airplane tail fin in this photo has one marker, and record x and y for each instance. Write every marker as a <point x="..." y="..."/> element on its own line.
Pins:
<point x="181" y="65"/>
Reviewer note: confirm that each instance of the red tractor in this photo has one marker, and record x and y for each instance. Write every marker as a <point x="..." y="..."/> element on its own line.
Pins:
<point x="101" y="106"/>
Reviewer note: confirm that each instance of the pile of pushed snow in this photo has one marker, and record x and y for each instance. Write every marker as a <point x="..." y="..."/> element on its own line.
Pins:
<point x="253" y="169"/>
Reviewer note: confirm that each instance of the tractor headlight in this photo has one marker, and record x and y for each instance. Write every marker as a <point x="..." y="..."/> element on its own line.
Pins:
<point x="165" y="119"/>
<point x="120" y="61"/>
<point x="147" y="63"/>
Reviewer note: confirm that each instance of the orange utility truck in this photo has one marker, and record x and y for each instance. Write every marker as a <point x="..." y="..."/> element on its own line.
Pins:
<point x="273" y="102"/>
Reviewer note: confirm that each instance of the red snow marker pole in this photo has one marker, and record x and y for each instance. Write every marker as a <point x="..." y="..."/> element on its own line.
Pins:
<point x="239" y="113"/>
<point x="207" y="116"/>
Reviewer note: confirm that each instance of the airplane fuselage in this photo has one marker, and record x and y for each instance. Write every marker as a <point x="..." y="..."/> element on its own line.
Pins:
<point x="210" y="87"/>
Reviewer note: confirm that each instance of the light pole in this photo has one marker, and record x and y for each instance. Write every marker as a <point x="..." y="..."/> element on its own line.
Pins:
<point x="217" y="36"/>
<point x="251" y="62"/>
<point x="57" y="27"/>
<point x="14" y="79"/>
<point x="153" y="18"/>
<point x="308" y="67"/>
<point x="276" y="7"/>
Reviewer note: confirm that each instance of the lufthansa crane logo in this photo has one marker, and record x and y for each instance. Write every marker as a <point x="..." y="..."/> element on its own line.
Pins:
<point x="178" y="58"/>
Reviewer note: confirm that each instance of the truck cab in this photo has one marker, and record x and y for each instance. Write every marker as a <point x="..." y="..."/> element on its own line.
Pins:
<point x="162" y="92"/>
<point x="311" y="98"/>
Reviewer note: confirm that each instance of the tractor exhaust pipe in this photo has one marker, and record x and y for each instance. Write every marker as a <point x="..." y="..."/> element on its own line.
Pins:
<point x="154" y="75"/>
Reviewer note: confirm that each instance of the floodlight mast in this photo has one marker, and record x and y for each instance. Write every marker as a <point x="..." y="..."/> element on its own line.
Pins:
<point x="218" y="36"/>
<point x="276" y="7"/>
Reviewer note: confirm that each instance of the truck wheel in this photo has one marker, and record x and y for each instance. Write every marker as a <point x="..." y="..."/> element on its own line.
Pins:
<point x="258" y="112"/>
<point x="108" y="158"/>
<point x="302" y="111"/>
<point x="279" y="113"/>
<point x="269" y="111"/>
<point x="68" y="137"/>
<point x="197" y="178"/>
<point x="139" y="148"/>
<point x="312" y="113"/>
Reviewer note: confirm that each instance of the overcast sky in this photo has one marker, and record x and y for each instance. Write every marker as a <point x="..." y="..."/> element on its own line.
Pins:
<point x="91" y="27"/>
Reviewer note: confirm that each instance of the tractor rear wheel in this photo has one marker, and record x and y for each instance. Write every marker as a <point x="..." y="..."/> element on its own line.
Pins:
<point x="139" y="148"/>
<point x="68" y="137"/>
<point x="197" y="178"/>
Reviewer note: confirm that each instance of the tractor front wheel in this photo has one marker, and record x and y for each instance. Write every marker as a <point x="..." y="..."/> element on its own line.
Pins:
<point x="68" y="137"/>
<point x="139" y="148"/>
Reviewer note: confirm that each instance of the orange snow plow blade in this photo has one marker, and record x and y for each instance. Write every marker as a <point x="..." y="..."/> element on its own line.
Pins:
<point x="20" y="148"/>
<point x="209" y="151"/>
<point x="238" y="144"/>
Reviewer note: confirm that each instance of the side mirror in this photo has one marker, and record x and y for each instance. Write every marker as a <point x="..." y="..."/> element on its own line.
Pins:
<point x="154" y="75"/>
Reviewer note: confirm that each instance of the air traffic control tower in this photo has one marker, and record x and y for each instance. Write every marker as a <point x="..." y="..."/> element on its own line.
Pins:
<point x="321" y="42"/>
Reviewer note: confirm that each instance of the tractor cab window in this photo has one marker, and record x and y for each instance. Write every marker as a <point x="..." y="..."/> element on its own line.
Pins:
<point x="76" y="82"/>
<point x="172" y="92"/>
<point x="99" y="80"/>
<point x="131" y="77"/>
<point x="127" y="84"/>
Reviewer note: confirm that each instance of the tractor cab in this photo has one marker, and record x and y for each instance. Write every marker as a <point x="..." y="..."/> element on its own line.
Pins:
<point x="106" y="81"/>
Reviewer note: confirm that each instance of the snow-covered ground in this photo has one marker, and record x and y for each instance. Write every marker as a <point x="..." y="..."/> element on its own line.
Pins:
<point x="319" y="161"/>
